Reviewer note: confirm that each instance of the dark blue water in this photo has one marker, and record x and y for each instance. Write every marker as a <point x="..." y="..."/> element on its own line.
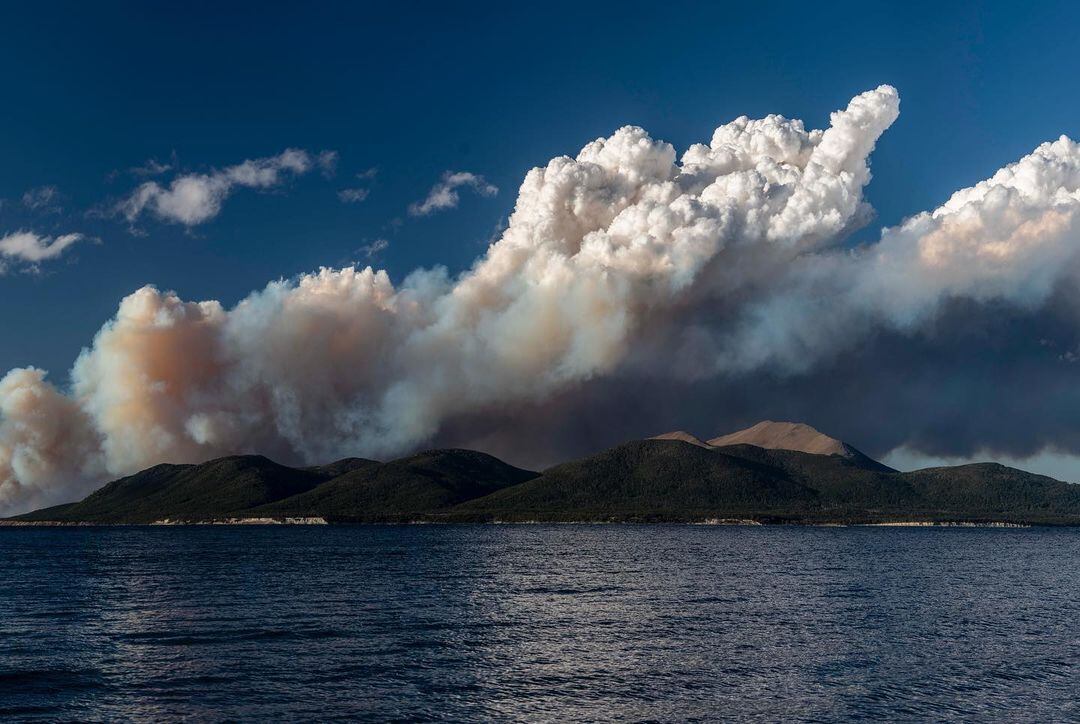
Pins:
<point x="539" y="622"/>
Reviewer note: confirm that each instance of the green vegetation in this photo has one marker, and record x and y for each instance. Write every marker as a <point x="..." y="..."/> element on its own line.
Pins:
<point x="672" y="480"/>
<point x="218" y="488"/>
<point x="402" y="490"/>
<point x="646" y="480"/>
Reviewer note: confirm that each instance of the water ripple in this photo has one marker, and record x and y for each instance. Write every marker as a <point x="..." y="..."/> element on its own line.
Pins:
<point x="640" y="623"/>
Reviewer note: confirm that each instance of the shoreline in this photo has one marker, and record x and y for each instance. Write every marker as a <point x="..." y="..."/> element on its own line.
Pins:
<point x="727" y="522"/>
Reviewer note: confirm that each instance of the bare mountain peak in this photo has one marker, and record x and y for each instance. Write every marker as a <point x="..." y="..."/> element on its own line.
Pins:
<point x="786" y="436"/>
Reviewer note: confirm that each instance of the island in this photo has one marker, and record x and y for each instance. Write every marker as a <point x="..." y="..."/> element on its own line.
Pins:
<point x="771" y="473"/>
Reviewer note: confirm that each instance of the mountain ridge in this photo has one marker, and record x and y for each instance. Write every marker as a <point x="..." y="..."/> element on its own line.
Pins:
<point x="793" y="436"/>
<point x="797" y="436"/>
<point x="676" y="477"/>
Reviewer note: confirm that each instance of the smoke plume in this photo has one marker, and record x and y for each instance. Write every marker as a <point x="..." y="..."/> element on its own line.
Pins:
<point x="630" y="292"/>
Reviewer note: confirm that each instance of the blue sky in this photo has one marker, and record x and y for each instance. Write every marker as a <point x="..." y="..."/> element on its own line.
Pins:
<point x="414" y="90"/>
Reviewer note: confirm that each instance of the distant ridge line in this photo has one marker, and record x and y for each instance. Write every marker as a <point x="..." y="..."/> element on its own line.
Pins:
<point x="675" y="479"/>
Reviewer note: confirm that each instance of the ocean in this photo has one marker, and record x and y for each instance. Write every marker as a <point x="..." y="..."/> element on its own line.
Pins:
<point x="539" y="623"/>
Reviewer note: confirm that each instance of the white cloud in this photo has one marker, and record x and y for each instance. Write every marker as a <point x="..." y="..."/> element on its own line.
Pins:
<point x="444" y="195"/>
<point x="373" y="249"/>
<point x="31" y="248"/>
<point x="43" y="198"/>
<point x="353" y="196"/>
<point x="327" y="161"/>
<point x="358" y="193"/>
<point x="152" y="167"/>
<point x="194" y="199"/>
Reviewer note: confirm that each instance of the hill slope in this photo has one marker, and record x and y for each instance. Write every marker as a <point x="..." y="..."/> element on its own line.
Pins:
<point x="403" y="489"/>
<point x="353" y="489"/>
<point x="997" y="492"/>
<point x="217" y="488"/>
<point x="649" y="479"/>
<point x="646" y="480"/>
<point x="675" y="480"/>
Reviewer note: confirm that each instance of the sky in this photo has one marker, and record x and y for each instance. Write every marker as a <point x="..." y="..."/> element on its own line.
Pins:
<point x="211" y="149"/>
<point x="413" y="91"/>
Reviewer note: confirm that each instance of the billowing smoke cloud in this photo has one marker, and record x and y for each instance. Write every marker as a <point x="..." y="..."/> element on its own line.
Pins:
<point x="47" y="443"/>
<point x="630" y="292"/>
<point x="195" y="198"/>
